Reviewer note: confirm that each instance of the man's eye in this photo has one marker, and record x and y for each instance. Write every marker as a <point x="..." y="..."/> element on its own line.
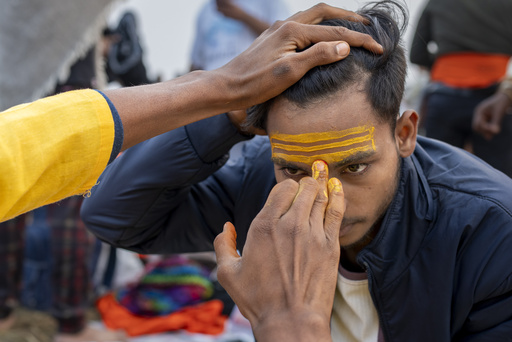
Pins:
<point x="291" y="172"/>
<point x="356" y="168"/>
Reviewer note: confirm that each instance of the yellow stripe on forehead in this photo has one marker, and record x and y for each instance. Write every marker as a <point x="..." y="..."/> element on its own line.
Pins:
<point x="333" y="146"/>
<point x="322" y="136"/>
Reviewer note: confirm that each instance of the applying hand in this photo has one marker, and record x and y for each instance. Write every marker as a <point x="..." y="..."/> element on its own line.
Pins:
<point x="285" y="280"/>
<point x="272" y="64"/>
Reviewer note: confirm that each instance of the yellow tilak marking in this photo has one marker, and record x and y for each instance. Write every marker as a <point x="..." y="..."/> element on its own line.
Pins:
<point x="358" y="140"/>
<point x="329" y="157"/>
<point x="316" y="173"/>
<point x="310" y="138"/>
<point x="322" y="136"/>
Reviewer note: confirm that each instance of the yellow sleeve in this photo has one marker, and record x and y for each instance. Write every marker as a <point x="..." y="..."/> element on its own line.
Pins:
<point x="52" y="148"/>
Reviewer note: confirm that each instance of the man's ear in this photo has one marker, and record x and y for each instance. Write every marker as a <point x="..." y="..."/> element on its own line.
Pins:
<point x="405" y="133"/>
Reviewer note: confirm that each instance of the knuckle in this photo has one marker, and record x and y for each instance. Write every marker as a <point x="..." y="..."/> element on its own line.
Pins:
<point x="262" y="224"/>
<point x="323" y="51"/>
<point x="277" y="24"/>
<point x="343" y="30"/>
<point x="367" y="38"/>
<point x="294" y="227"/>
<point x="321" y="199"/>
<point x="288" y="185"/>
<point x="309" y="182"/>
<point x="320" y="7"/>
<point x="336" y="213"/>
<point x="223" y="274"/>
<point x="288" y="28"/>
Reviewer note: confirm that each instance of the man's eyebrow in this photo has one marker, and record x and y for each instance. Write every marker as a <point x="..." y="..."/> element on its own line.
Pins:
<point x="284" y="163"/>
<point x="355" y="158"/>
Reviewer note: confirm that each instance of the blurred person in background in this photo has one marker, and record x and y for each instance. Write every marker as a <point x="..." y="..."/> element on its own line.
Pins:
<point x="123" y="53"/>
<point x="225" y="28"/>
<point x="490" y="113"/>
<point x="467" y="55"/>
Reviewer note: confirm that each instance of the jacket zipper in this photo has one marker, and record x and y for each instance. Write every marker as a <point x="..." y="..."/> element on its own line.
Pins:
<point x="375" y="301"/>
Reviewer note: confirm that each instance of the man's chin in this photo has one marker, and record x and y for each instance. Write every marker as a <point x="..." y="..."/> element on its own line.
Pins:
<point x="354" y="235"/>
<point x="348" y="235"/>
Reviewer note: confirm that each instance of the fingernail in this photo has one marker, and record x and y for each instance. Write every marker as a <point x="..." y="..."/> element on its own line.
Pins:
<point x="343" y="49"/>
<point x="225" y="229"/>
<point x="334" y="185"/>
<point x="318" y="167"/>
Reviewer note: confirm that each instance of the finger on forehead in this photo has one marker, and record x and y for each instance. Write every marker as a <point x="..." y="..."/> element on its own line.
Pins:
<point x="304" y="200"/>
<point x="322" y="11"/>
<point x="319" y="33"/>
<point x="320" y="172"/>
<point x="280" y="199"/>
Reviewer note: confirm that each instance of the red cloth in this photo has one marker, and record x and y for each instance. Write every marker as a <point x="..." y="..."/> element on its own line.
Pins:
<point x="204" y="318"/>
<point x="470" y="69"/>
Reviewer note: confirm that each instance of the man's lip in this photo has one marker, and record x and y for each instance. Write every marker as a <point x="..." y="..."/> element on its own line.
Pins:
<point x="347" y="225"/>
<point x="346" y="228"/>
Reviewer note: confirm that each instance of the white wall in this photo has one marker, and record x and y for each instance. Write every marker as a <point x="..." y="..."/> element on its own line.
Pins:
<point x="167" y="28"/>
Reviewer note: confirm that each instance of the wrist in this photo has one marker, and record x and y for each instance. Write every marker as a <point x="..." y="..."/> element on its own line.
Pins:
<point x="204" y="93"/>
<point x="227" y="89"/>
<point x="293" y="327"/>
<point x="506" y="88"/>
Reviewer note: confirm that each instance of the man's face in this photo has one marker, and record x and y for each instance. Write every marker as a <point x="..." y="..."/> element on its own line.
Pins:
<point x="359" y="150"/>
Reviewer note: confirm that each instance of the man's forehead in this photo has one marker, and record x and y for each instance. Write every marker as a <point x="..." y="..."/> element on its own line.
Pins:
<point x="330" y="146"/>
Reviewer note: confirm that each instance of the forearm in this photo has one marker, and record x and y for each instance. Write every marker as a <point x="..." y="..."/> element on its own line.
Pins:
<point x="150" y="110"/>
<point x="138" y="195"/>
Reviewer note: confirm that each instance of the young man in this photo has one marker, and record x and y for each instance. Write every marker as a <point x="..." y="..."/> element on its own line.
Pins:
<point x="426" y="231"/>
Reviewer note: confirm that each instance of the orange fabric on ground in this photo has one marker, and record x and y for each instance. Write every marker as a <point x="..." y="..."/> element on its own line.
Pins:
<point x="204" y="318"/>
<point x="470" y="69"/>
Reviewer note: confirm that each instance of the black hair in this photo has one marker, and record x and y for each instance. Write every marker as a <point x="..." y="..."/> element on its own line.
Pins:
<point x="382" y="77"/>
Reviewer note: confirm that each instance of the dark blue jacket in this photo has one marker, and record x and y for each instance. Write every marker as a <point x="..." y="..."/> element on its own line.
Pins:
<point x="440" y="268"/>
